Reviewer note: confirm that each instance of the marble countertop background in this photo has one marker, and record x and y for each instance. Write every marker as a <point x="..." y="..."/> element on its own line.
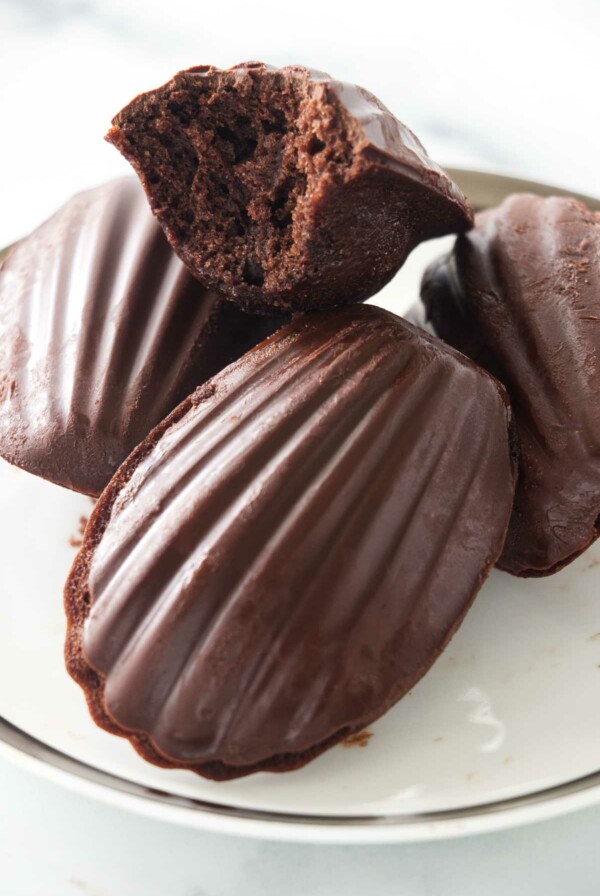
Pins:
<point x="511" y="87"/>
<point x="508" y="86"/>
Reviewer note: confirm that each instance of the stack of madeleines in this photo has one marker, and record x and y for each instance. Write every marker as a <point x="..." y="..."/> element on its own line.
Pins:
<point x="299" y="496"/>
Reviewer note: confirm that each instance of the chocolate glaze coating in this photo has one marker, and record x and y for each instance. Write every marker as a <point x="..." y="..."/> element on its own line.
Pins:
<point x="284" y="186"/>
<point x="103" y="332"/>
<point x="287" y="554"/>
<point x="520" y="294"/>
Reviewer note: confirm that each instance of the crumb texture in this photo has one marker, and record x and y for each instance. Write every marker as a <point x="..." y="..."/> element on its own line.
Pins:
<point x="235" y="158"/>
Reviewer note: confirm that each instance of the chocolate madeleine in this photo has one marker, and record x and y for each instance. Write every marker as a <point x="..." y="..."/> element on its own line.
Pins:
<point x="103" y="332"/>
<point x="286" y="555"/>
<point x="284" y="187"/>
<point x="520" y="294"/>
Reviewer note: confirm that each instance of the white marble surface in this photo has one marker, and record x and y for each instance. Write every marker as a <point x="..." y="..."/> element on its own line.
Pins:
<point x="508" y="86"/>
<point x="54" y="843"/>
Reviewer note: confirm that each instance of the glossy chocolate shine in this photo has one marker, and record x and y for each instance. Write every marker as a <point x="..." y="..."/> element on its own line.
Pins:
<point x="284" y="186"/>
<point x="520" y="294"/>
<point x="282" y="561"/>
<point x="102" y="333"/>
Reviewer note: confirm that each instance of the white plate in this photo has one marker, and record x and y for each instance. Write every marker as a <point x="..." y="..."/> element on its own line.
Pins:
<point x="504" y="729"/>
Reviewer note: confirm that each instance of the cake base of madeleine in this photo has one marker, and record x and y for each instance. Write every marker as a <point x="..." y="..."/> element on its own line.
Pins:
<point x="283" y="187"/>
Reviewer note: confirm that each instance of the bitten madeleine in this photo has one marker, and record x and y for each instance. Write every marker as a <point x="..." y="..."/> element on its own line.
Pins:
<point x="520" y="294"/>
<point x="287" y="554"/>
<point x="284" y="187"/>
<point x="103" y="332"/>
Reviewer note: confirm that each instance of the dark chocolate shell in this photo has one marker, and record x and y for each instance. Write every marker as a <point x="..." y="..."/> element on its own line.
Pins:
<point x="102" y="333"/>
<point x="520" y="294"/>
<point x="285" y="556"/>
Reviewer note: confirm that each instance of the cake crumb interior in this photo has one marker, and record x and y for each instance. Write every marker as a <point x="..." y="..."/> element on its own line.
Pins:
<point x="236" y="157"/>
